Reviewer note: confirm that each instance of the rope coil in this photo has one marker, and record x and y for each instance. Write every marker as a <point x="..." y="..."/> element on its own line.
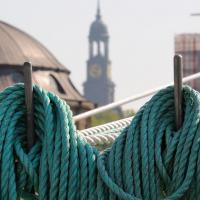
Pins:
<point x="148" y="160"/>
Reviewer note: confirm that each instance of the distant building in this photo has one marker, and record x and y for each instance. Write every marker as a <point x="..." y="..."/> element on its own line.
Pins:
<point x="16" y="47"/>
<point x="99" y="87"/>
<point x="188" y="45"/>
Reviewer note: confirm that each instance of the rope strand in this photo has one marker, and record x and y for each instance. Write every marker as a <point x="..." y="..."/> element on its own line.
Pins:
<point x="147" y="161"/>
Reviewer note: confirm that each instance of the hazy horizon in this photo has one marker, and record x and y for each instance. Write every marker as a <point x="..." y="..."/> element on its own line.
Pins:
<point x="141" y="36"/>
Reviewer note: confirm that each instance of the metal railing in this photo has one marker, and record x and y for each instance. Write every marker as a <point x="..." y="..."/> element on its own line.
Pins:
<point x="131" y="99"/>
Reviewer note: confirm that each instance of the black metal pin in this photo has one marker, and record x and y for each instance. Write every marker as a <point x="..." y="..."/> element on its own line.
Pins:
<point x="178" y="76"/>
<point x="28" y="84"/>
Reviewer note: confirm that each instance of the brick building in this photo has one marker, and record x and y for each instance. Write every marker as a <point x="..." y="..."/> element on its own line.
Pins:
<point x="188" y="45"/>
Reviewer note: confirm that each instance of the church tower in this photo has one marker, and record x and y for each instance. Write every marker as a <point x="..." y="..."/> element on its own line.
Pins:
<point x="99" y="87"/>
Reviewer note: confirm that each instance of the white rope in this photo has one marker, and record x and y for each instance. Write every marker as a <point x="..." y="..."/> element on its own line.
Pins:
<point x="106" y="127"/>
<point x="101" y="139"/>
<point x="130" y="99"/>
<point x="105" y="134"/>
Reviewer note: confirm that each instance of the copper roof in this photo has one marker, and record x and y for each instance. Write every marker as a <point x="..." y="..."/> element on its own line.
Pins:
<point x="98" y="29"/>
<point x="17" y="46"/>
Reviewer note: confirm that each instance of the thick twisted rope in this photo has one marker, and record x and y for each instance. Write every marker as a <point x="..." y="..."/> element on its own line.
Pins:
<point x="148" y="161"/>
<point x="104" y="135"/>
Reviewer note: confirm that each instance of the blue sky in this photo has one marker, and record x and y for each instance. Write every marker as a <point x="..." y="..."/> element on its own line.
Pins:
<point x="142" y="35"/>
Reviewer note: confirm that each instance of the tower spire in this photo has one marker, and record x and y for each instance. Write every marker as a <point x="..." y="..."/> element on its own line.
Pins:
<point x="98" y="16"/>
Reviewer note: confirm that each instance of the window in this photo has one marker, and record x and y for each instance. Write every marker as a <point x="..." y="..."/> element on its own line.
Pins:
<point x="56" y="85"/>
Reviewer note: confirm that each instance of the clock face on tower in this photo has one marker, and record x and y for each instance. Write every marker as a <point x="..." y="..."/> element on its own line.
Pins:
<point x="95" y="70"/>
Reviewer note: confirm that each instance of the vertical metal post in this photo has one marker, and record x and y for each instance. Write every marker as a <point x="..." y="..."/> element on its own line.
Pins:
<point x="27" y="70"/>
<point x="178" y="75"/>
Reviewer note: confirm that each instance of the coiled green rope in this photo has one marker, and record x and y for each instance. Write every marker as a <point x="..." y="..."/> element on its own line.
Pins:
<point x="148" y="161"/>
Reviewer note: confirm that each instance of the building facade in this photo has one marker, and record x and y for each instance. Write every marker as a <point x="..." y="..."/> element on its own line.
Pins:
<point x="99" y="87"/>
<point x="16" y="47"/>
<point x="188" y="45"/>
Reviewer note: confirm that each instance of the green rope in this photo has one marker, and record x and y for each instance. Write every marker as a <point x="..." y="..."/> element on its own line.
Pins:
<point x="148" y="161"/>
